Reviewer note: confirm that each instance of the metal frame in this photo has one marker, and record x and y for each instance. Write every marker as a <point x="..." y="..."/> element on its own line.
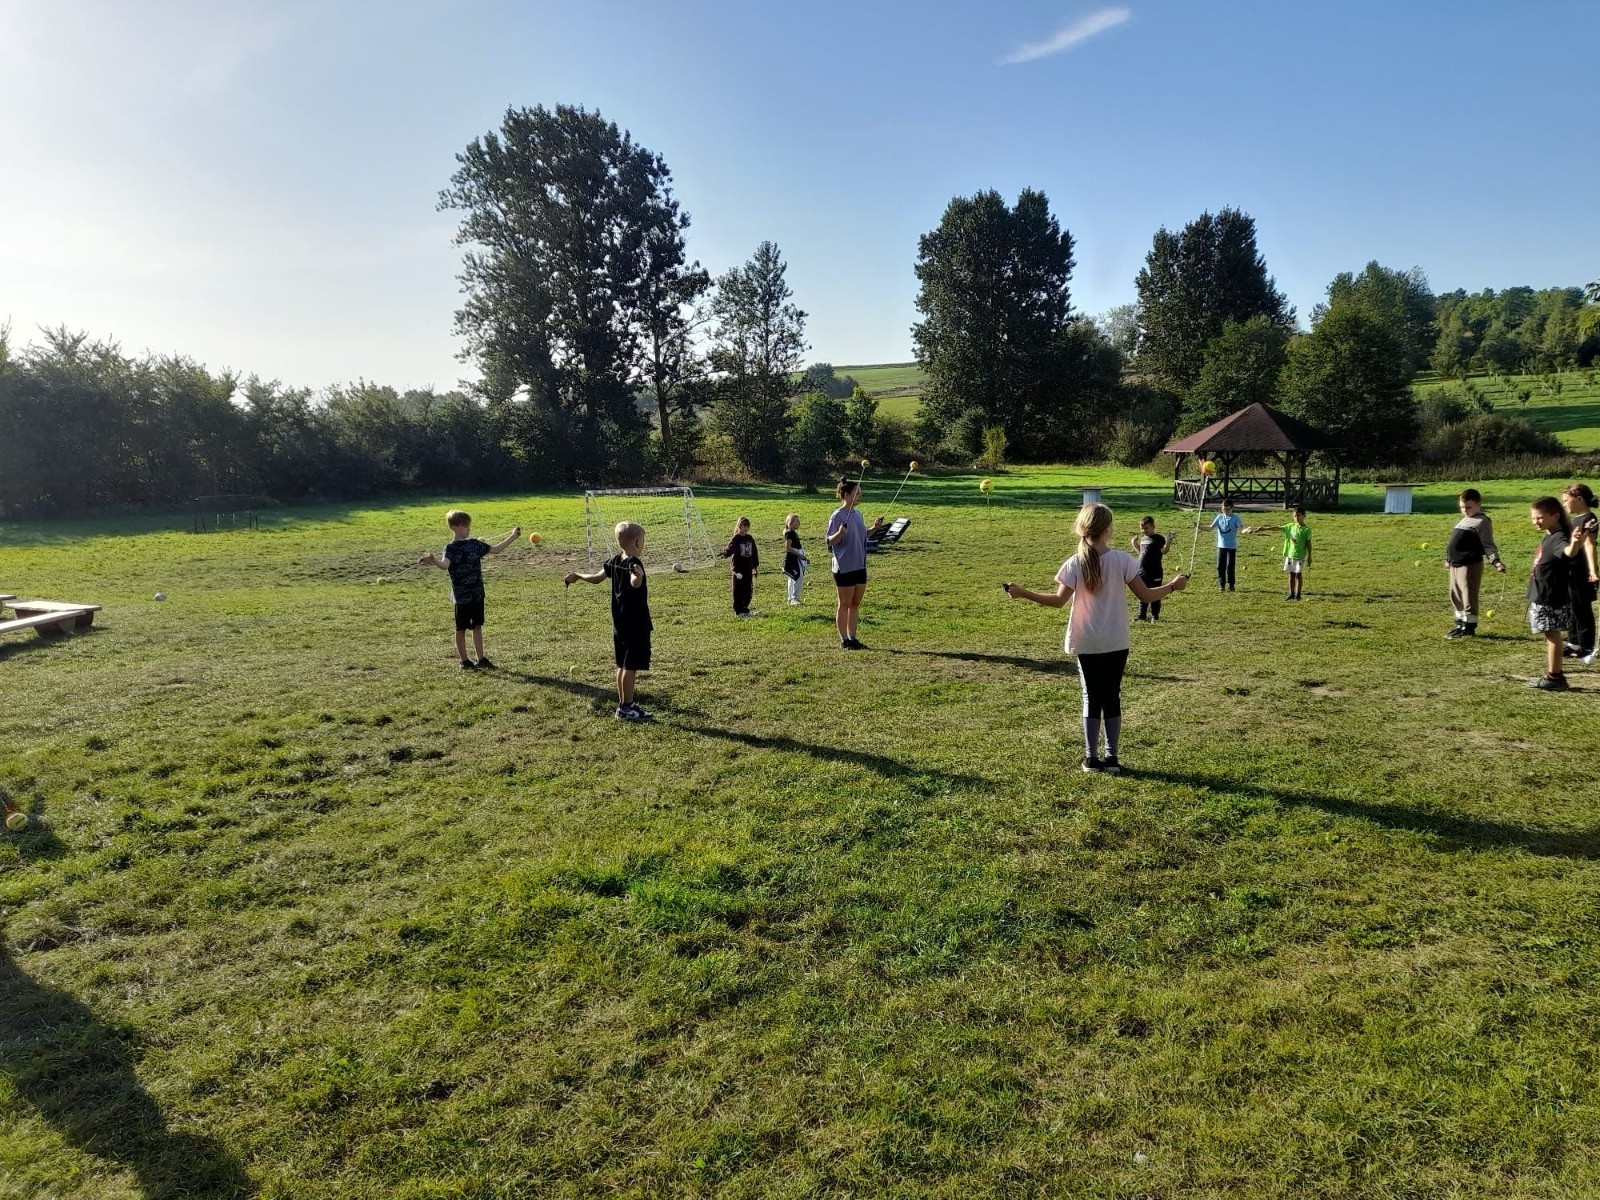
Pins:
<point x="596" y="532"/>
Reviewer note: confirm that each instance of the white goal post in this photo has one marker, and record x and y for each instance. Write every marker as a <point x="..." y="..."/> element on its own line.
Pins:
<point x="675" y="534"/>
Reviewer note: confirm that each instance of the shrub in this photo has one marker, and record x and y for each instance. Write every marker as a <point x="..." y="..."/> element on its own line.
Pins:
<point x="1134" y="443"/>
<point x="994" y="448"/>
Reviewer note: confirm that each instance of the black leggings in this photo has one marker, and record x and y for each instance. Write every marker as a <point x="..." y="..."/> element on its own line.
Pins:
<point x="1101" y="675"/>
<point x="1581" y="634"/>
<point x="744" y="586"/>
<point x="1152" y="579"/>
<point x="1225" y="561"/>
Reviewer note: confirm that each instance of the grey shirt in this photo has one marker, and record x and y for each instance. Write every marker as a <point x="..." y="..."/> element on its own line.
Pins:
<point x="851" y="553"/>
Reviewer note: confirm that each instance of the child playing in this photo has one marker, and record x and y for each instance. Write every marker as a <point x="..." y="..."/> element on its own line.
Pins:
<point x="795" y="560"/>
<point x="741" y="548"/>
<point x="1149" y="546"/>
<point x="1471" y="542"/>
<point x="1097" y="627"/>
<point x="1227" y="525"/>
<point x="1296" y="552"/>
<point x="1550" y="586"/>
<point x="630" y="614"/>
<point x="463" y="559"/>
<point x="1579" y="502"/>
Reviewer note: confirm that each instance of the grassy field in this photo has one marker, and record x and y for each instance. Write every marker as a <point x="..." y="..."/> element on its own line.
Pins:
<point x="308" y="912"/>
<point x="898" y="386"/>
<point x="1573" y="414"/>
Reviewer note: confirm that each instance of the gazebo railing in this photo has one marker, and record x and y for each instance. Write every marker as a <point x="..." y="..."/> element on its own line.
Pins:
<point x="1257" y="489"/>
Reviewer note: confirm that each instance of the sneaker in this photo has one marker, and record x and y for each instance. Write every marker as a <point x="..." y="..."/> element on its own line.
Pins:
<point x="640" y="711"/>
<point x="485" y="665"/>
<point x="627" y="712"/>
<point x="1460" y="631"/>
<point x="1588" y="659"/>
<point x="856" y="644"/>
<point x="467" y="665"/>
<point x="1110" y="765"/>
<point x="1571" y="652"/>
<point x="1093" y="765"/>
<point x="1551" y="683"/>
<point x="741" y="614"/>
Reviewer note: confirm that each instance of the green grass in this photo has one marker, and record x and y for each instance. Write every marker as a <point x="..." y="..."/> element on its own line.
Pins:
<point x="1573" y="415"/>
<point x="309" y="912"/>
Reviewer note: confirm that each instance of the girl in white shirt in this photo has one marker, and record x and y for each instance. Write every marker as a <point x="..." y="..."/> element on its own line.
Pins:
<point x="1097" y="628"/>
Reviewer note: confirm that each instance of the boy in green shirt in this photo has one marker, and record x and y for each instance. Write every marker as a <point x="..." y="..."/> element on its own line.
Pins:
<point x="1296" y="552"/>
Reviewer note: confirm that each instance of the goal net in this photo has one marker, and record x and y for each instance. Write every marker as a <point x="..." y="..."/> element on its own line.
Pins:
<point x="675" y="535"/>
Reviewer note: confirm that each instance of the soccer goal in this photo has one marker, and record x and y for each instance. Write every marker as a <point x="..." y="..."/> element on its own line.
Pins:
<point x="675" y="534"/>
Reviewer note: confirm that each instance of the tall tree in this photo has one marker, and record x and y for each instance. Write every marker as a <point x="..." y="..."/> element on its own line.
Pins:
<point x="757" y="345"/>
<point x="1192" y="282"/>
<point x="1351" y="375"/>
<point x="1404" y="297"/>
<point x="575" y="250"/>
<point x="1241" y="368"/>
<point x="995" y="308"/>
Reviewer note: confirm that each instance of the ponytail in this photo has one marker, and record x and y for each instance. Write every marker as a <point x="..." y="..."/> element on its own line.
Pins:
<point x="846" y="486"/>
<point x="1551" y="507"/>
<point x="1093" y="521"/>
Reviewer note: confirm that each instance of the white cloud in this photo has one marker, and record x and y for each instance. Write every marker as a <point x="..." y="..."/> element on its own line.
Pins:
<point x="1069" y="36"/>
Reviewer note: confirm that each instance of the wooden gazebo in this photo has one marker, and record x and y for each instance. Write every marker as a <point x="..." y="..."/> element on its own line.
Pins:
<point x="1256" y="432"/>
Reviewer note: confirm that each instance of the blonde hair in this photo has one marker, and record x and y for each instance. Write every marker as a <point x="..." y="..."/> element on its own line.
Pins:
<point x="628" y="531"/>
<point x="456" y="517"/>
<point x="1093" y="521"/>
<point x="791" y="520"/>
<point x="740" y="523"/>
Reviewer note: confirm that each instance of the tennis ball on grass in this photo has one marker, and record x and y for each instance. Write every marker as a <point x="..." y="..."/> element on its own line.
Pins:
<point x="534" y="539"/>
<point x="1490" y="613"/>
<point x="17" y="821"/>
<point x="161" y="595"/>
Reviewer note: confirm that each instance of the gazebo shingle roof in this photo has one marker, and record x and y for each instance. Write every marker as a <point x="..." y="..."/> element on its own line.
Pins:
<point x="1258" y="427"/>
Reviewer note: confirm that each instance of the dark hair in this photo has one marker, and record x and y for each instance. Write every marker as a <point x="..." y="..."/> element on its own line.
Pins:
<point x="1551" y="507"/>
<point x="1472" y="494"/>
<point x="1299" y="510"/>
<point x="1147" y="520"/>
<point x="1227" y="500"/>
<point x="846" y="486"/>
<point x="1581" y="490"/>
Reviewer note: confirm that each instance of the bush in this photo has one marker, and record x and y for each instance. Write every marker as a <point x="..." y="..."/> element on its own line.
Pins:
<point x="1133" y="443"/>
<point x="994" y="448"/>
<point x="965" y="439"/>
<point x="1488" y="437"/>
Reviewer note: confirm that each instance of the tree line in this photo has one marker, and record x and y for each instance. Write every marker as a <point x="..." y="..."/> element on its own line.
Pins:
<point x="607" y="355"/>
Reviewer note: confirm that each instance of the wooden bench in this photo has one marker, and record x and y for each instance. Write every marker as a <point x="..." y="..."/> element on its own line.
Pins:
<point x="49" y="616"/>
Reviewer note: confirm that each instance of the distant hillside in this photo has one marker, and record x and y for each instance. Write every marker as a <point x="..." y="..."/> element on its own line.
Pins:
<point x="1567" y="404"/>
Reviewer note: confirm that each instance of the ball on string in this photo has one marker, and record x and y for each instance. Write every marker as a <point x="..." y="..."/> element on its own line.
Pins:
<point x="1208" y="467"/>
<point x="915" y="464"/>
<point x="986" y="486"/>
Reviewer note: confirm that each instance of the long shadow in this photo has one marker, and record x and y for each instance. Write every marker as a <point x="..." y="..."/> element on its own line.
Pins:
<point x="76" y="1071"/>
<point x="38" y="643"/>
<point x="878" y="764"/>
<point x="1458" y="833"/>
<point x="598" y="697"/>
<point x="1056" y="666"/>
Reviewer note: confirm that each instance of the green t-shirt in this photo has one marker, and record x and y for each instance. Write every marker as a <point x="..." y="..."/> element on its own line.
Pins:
<point x="1296" y="541"/>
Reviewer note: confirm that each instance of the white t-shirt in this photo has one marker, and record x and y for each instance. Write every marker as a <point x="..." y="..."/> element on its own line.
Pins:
<point x="1098" y="623"/>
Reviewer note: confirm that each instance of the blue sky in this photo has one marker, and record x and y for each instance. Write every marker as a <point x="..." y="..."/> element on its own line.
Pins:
<point x="254" y="184"/>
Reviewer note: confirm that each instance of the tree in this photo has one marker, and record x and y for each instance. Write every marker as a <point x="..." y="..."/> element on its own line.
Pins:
<point x="1192" y="282"/>
<point x="995" y="303"/>
<point x="1351" y="376"/>
<point x="820" y="377"/>
<point x="859" y="413"/>
<point x="1241" y="368"/>
<point x="669" y="364"/>
<point x="819" y="436"/>
<point x="757" y="344"/>
<point x="575" y="250"/>
<point x="1120" y="324"/>
<point x="1402" y="296"/>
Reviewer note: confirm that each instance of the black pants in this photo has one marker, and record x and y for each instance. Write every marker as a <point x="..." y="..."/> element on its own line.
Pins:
<point x="1101" y="676"/>
<point x="1581" y="634"/>
<point x="743" y="586"/>
<point x="1151" y="579"/>
<point x="1225" y="561"/>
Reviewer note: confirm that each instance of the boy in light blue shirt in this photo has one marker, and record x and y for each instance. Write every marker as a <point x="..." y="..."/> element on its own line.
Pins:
<point x="1227" y="525"/>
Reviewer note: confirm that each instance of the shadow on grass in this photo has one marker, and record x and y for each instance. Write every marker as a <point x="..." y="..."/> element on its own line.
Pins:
<point x="1460" y="833"/>
<point x="76" y="1071"/>
<point x="878" y="764"/>
<point x="39" y="643"/>
<point x="599" y="698"/>
<point x="1049" y="666"/>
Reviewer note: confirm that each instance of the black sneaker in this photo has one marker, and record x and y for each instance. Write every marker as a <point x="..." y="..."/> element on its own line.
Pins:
<point x="626" y="712"/>
<point x="1460" y="631"/>
<point x="640" y="711"/>
<point x="467" y="665"/>
<point x="1110" y="765"/>
<point x="1551" y="683"/>
<point x="854" y="644"/>
<point x="1093" y="765"/>
<point x="485" y="665"/>
<point x="1571" y="652"/>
